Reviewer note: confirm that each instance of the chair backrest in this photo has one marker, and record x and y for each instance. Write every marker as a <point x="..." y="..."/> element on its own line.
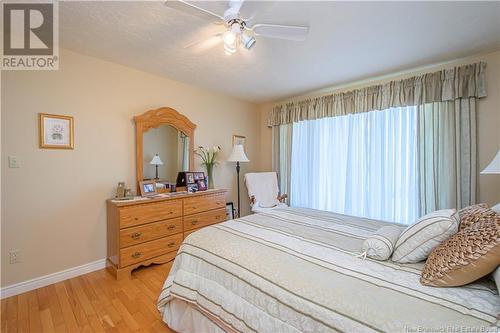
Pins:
<point x="264" y="187"/>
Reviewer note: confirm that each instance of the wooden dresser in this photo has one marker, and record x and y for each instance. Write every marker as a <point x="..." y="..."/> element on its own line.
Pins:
<point x="150" y="231"/>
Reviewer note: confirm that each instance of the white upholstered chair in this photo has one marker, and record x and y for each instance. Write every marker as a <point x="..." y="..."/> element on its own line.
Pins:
<point x="263" y="191"/>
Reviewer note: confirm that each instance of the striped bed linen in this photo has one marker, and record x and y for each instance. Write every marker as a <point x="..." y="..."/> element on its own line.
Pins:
<point x="295" y="270"/>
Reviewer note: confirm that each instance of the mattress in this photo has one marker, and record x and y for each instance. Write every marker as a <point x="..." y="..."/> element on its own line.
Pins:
<point x="296" y="270"/>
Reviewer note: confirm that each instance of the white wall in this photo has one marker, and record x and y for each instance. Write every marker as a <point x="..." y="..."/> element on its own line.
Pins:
<point x="53" y="207"/>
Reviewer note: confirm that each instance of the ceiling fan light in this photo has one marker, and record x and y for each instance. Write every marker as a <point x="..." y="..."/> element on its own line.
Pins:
<point x="229" y="38"/>
<point x="247" y="41"/>
<point x="228" y="49"/>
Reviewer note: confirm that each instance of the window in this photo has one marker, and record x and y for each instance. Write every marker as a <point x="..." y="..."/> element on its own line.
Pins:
<point x="361" y="164"/>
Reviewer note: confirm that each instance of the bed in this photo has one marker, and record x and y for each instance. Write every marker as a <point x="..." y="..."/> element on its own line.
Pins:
<point x="296" y="270"/>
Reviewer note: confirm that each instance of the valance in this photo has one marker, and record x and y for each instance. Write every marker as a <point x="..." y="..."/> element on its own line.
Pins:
<point x="445" y="85"/>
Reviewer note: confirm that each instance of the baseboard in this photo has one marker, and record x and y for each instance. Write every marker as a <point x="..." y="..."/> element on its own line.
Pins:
<point x="42" y="281"/>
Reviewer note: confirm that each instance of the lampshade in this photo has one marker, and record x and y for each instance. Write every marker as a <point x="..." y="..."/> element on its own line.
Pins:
<point x="494" y="166"/>
<point x="156" y="160"/>
<point x="238" y="155"/>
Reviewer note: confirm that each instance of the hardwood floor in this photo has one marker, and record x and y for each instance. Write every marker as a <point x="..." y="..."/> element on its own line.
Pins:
<point x="93" y="302"/>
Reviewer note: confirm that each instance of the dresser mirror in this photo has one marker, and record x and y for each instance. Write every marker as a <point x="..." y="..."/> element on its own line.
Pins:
<point x="165" y="152"/>
<point x="164" y="144"/>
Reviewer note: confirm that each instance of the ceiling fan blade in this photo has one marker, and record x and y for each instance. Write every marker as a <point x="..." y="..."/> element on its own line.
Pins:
<point x="250" y="8"/>
<point x="288" y="32"/>
<point x="191" y="9"/>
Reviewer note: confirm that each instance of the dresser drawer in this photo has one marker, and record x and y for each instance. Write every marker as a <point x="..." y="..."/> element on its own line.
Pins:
<point x="151" y="212"/>
<point x="203" y="219"/>
<point x="203" y="203"/>
<point x="138" y="253"/>
<point x="150" y="231"/>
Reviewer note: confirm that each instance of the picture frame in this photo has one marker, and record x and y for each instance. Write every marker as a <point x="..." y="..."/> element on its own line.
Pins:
<point x="239" y="140"/>
<point x="230" y="211"/>
<point x="199" y="176"/>
<point x="190" y="178"/>
<point x="202" y="184"/>
<point x="148" y="188"/>
<point x="192" y="188"/>
<point x="55" y="131"/>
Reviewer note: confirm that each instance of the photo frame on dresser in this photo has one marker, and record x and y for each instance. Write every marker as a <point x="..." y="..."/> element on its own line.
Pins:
<point x="202" y="184"/>
<point x="148" y="188"/>
<point x="199" y="176"/>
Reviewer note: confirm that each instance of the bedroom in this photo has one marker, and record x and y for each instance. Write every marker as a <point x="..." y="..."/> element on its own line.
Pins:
<point x="369" y="116"/>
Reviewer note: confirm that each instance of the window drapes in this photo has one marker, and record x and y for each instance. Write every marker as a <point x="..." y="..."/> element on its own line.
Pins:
<point x="444" y="104"/>
<point x="446" y="85"/>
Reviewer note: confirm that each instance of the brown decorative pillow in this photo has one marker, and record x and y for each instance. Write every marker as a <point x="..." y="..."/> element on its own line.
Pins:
<point x="472" y="214"/>
<point x="464" y="257"/>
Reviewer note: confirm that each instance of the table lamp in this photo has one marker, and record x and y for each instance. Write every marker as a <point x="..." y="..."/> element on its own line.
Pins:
<point x="156" y="161"/>
<point x="491" y="169"/>
<point x="238" y="155"/>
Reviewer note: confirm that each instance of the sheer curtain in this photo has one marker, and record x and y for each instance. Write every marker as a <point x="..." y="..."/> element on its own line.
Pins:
<point x="361" y="164"/>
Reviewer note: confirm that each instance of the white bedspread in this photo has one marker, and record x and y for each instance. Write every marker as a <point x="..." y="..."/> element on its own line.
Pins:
<point x="294" y="270"/>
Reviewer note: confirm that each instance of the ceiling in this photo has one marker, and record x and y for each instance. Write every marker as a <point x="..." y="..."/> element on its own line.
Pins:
<point x="347" y="41"/>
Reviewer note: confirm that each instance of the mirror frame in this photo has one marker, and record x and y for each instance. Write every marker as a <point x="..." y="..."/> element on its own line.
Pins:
<point x="153" y="119"/>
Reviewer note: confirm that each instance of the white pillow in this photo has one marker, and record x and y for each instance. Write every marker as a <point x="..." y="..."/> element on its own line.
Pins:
<point x="380" y="245"/>
<point x="418" y="240"/>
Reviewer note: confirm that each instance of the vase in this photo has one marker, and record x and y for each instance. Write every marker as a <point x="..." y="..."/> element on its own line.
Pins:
<point x="210" y="175"/>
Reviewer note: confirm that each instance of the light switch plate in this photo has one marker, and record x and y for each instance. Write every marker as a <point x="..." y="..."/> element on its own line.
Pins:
<point x="15" y="256"/>
<point x="14" y="162"/>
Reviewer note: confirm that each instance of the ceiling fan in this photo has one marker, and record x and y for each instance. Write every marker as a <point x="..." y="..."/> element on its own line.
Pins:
<point x="238" y="30"/>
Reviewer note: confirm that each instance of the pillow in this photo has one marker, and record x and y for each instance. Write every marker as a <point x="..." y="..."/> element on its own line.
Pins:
<point x="472" y="214"/>
<point x="380" y="245"/>
<point x="418" y="240"/>
<point x="465" y="257"/>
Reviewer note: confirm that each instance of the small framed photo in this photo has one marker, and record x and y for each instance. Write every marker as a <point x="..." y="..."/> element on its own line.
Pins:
<point x="199" y="176"/>
<point x="230" y="211"/>
<point x="192" y="188"/>
<point x="148" y="188"/>
<point x="189" y="178"/>
<point x="239" y="140"/>
<point x="202" y="185"/>
<point x="56" y="131"/>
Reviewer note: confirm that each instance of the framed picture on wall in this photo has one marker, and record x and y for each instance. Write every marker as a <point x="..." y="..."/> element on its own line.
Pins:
<point x="239" y="140"/>
<point x="55" y="131"/>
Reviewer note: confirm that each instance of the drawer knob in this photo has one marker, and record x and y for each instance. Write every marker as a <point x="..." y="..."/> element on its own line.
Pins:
<point x="136" y="218"/>
<point x="136" y="255"/>
<point x="171" y="244"/>
<point x="193" y="207"/>
<point x="171" y="227"/>
<point x="193" y="222"/>
<point x="136" y="235"/>
<point x="217" y="217"/>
